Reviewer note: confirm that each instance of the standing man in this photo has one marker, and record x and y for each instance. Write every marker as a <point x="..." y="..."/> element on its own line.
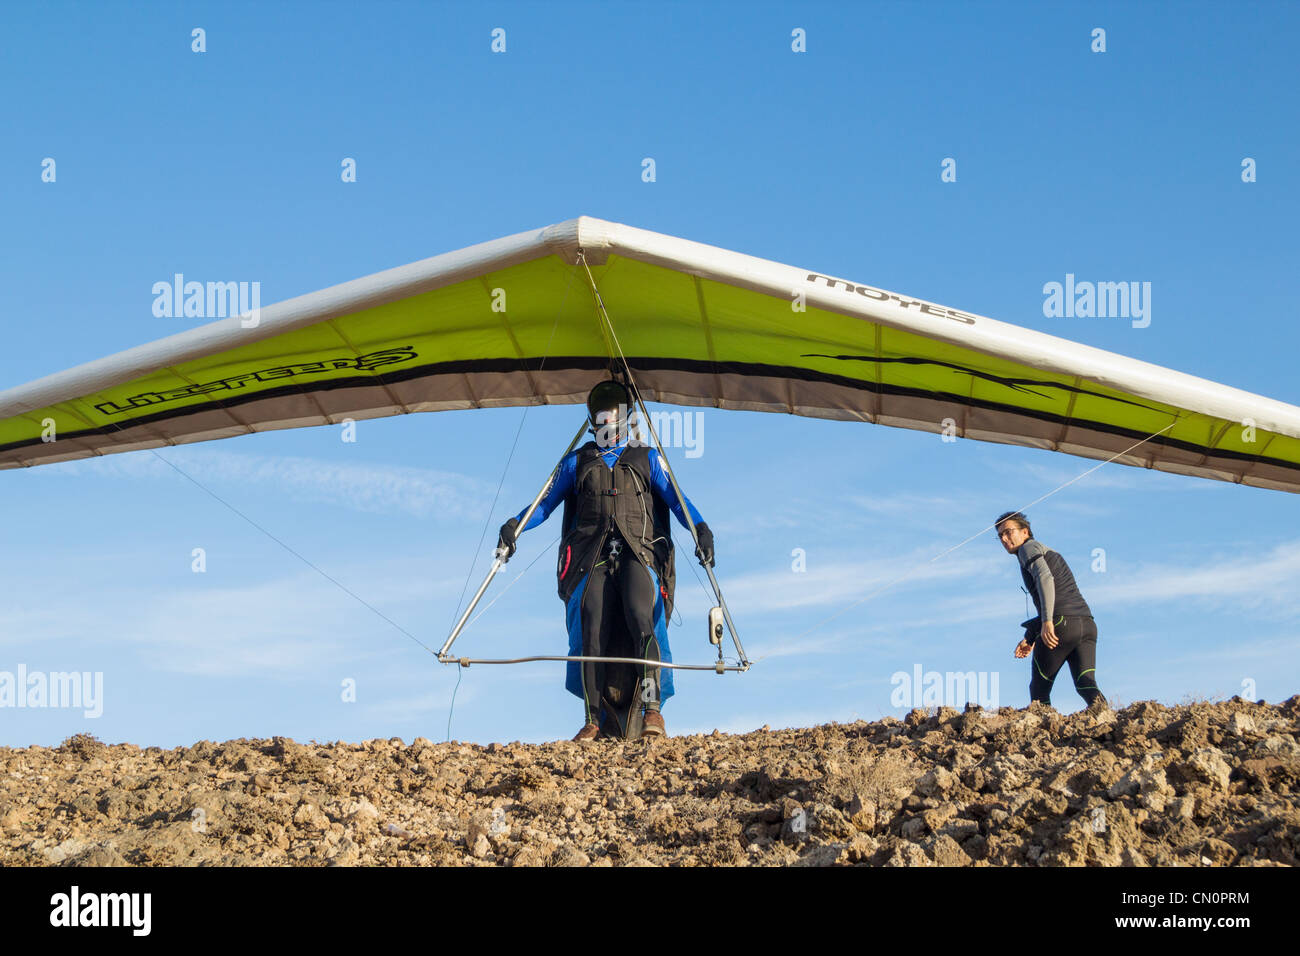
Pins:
<point x="1064" y="631"/>
<point x="615" y="568"/>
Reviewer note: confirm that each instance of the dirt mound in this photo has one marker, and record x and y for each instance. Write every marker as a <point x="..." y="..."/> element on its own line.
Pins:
<point x="1204" y="784"/>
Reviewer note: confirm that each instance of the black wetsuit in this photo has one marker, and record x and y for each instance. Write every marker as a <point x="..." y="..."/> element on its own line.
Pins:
<point x="616" y="494"/>
<point x="618" y="590"/>
<point x="1057" y="598"/>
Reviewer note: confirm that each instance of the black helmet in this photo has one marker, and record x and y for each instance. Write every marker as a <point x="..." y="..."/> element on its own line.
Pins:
<point x="607" y="397"/>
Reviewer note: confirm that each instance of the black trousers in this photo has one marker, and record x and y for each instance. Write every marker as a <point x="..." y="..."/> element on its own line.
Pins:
<point x="619" y="592"/>
<point x="1077" y="646"/>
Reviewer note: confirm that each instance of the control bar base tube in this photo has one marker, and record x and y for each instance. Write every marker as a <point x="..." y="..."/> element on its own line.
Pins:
<point x="466" y="661"/>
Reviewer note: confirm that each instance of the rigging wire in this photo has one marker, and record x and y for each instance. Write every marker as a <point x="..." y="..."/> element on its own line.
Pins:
<point x="668" y="468"/>
<point x="611" y="344"/>
<point x="338" y="584"/>
<point x="452" y="708"/>
<point x="912" y="570"/>
<point x="540" y="554"/>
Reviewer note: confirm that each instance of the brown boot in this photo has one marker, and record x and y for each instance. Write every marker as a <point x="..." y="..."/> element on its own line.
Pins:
<point x="588" y="732"/>
<point x="653" y="724"/>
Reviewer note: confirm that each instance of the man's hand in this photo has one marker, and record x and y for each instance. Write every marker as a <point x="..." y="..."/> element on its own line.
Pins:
<point x="1023" y="648"/>
<point x="704" y="545"/>
<point x="1049" y="635"/>
<point x="508" y="536"/>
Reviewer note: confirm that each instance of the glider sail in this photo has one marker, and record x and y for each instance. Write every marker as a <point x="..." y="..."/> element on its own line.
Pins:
<point x="513" y="322"/>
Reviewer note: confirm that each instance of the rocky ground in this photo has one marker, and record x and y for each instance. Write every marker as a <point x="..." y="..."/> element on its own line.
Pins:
<point x="1204" y="784"/>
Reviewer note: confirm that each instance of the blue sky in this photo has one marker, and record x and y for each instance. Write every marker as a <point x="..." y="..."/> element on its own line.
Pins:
<point x="1123" y="165"/>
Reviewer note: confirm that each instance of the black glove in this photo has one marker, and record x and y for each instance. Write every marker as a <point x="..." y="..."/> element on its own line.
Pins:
<point x="1032" y="627"/>
<point x="508" y="536"/>
<point x="704" y="545"/>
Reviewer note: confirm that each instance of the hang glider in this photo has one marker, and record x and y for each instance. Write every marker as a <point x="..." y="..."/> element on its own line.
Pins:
<point x="513" y="322"/>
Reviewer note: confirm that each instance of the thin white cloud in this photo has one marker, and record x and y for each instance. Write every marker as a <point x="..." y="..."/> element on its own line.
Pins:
<point x="909" y="504"/>
<point x="930" y="513"/>
<point x="396" y="708"/>
<point x="834" y="584"/>
<point x="281" y="629"/>
<point x="288" y="627"/>
<point x="765" y="651"/>
<point x="1250" y="579"/>
<point x="373" y="488"/>
<point x="1242" y="647"/>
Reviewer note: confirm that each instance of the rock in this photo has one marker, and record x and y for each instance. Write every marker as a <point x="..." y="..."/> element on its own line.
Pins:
<point x="362" y="812"/>
<point x="1099" y="719"/>
<point x="65" y="850"/>
<point x="13" y="817"/>
<point x="1146" y="779"/>
<point x="1216" y="852"/>
<point x="909" y="854"/>
<point x="1280" y="745"/>
<point x="1155" y="800"/>
<point x="534" y="856"/>
<point x="1241" y="724"/>
<point x="860" y="850"/>
<point x="947" y="852"/>
<point x="115" y="804"/>
<point x="1131" y="857"/>
<point x="100" y="855"/>
<point x="1027" y="721"/>
<point x="937" y="782"/>
<point x="976" y="847"/>
<point x="959" y="789"/>
<point x="862" y="813"/>
<point x="568" y="855"/>
<point x="826" y="855"/>
<point x="1007" y="771"/>
<point x="1208" y="764"/>
<point x="960" y="829"/>
<point x="346" y="853"/>
<point x="309" y="816"/>
<point x="936" y="818"/>
<point x="912" y="828"/>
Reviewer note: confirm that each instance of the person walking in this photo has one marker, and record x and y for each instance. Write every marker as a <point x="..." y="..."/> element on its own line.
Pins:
<point x="1064" y="631"/>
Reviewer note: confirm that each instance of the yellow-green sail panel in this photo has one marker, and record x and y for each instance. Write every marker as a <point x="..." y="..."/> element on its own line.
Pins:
<point x="515" y="322"/>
